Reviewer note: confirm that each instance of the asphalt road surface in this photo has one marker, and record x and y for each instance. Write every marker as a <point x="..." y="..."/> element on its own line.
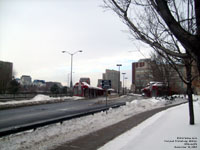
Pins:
<point x="16" y="117"/>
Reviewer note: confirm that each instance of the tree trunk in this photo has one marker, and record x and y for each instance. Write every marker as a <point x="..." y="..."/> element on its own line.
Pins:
<point x="189" y="93"/>
<point x="190" y="102"/>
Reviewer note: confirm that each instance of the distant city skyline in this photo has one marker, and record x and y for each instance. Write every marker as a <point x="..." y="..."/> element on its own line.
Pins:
<point x="34" y="33"/>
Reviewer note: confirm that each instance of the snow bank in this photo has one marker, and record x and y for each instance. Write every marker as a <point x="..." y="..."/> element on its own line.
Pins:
<point x="38" y="99"/>
<point x="133" y="94"/>
<point x="167" y="130"/>
<point x="195" y="97"/>
<point x="52" y="135"/>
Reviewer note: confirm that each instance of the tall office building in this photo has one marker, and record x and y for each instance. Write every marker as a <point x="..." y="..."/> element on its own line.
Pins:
<point x="6" y="69"/>
<point x="142" y="74"/>
<point x="112" y="75"/>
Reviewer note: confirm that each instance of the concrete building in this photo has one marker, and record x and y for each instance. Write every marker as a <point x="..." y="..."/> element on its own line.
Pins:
<point x="26" y="80"/>
<point x="176" y="84"/>
<point x="6" y="69"/>
<point x="196" y="81"/>
<point x="142" y="75"/>
<point x="112" y="75"/>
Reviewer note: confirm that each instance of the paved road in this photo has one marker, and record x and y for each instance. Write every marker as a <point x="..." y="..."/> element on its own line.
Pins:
<point x="11" y="118"/>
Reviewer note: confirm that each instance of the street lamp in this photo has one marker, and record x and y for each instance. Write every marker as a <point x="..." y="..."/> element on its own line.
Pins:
<point x="123" y="81"/>
<point x="119" y="65"/>
<point x="71" y="84"/>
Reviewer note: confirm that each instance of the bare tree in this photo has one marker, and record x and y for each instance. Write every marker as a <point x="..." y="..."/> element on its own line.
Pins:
<point x="151" y="21"/>
<point x="161" y="70"/>
<point x="170" y="27"/>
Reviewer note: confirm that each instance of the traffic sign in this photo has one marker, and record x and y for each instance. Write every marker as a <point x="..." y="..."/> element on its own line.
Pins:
<point x="106" y="84"/>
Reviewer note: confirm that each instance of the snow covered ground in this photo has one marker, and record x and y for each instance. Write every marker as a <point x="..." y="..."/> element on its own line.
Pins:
<point x="38" y="99"/>
<point x="52" y="135"/>
<point x="167" y="130"/>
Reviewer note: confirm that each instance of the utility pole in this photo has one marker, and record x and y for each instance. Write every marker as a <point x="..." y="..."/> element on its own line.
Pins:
<point x="71" y="54"/>
<point x="119" y="65"/>
<point x="123" y="81"/>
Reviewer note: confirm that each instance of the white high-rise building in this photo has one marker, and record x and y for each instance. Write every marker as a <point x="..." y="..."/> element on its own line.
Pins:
<point x="112" y="75"/>
<point x="26" y="80"/>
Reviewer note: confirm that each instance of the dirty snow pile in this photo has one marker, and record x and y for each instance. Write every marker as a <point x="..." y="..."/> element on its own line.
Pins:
<point x="53" y="135"/>
<point x="38" y="99"/>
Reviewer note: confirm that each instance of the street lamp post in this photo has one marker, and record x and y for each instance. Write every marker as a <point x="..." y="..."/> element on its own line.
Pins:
<point x="72" y="54"/>
<point x="119" y="65"/>
<point x="123" y="81"/>
<point x="125" y="84"/>
<point x="68" y="78"/>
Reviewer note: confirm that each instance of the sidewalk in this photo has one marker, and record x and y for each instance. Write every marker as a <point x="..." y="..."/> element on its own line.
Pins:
<point x="97" y="139"/>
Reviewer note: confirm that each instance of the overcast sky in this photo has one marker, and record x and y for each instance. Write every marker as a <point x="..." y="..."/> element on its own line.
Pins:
<point x="34" y="32"/>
